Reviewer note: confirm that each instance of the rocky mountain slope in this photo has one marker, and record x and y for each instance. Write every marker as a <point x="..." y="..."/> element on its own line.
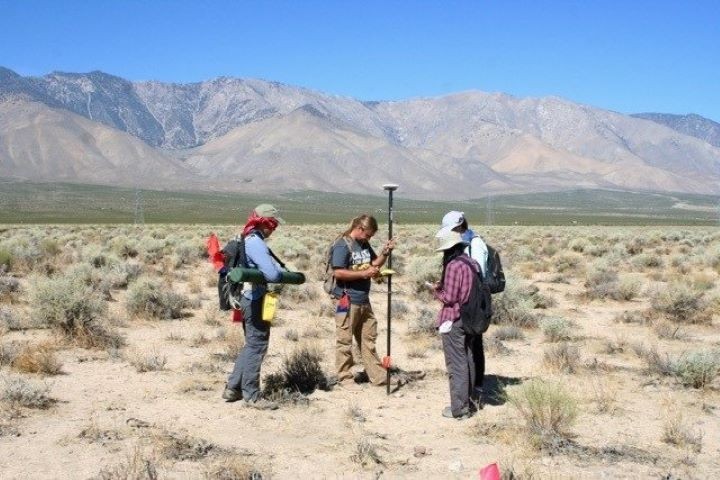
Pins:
<point x="693" y="125"/>
<point x="257" y="135"/>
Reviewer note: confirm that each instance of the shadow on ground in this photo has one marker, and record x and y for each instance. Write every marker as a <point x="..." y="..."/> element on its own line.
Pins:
<point x="494" y="387"/>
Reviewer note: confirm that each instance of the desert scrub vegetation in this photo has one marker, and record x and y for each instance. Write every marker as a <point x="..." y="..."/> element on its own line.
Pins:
<point x="73" y="310"/>
<point x="562" y="357"/>
<point x="603" y="282"/>
<point x="236" y="467"/>
<point x="556" y="329"/>
<point x="516" y="304"/>
<point x="37" y="358"/>
<point x="681" y="303"/>
<point x="678" y="433"/>
<point x="697" y="369"/>
<point x="20" y="393"/>
<point x="300" y="372"/>
<point x="547" y="410"/>
<point x="149" y="298"/>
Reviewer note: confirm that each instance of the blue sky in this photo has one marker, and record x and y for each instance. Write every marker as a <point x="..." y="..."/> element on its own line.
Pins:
<point x="629" y="56"/>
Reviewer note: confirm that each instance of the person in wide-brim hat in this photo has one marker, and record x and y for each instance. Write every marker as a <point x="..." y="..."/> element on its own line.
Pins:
<point x="453" y="291"/>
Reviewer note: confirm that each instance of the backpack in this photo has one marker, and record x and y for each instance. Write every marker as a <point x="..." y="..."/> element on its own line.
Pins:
<point x="494" y="274"/>
<point x="228" y="292"/>
<point x="477" y="311"/>
<point x="328" y="278"/>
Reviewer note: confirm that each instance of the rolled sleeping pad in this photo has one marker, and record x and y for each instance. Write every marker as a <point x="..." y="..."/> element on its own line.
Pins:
<point x="253" y="275"/>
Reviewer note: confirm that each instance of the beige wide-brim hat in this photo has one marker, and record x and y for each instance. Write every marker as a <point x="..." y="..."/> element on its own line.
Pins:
<point x="268" y="211"/>
<point x="449" y="240"/>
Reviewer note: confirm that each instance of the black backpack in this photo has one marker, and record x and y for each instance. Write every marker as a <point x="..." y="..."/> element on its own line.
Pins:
<point x="477" y="312"/>
<point x="234" y="253"/>
<point x="494" y="275"/>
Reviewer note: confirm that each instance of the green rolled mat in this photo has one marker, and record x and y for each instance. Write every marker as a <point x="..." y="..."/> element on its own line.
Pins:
<point x="253" y="275"/>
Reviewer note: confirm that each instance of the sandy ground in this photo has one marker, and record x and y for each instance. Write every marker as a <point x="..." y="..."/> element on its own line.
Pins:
<point x="106" y="411"/>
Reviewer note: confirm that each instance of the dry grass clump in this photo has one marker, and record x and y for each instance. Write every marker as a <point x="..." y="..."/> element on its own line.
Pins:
<point x="680" y="303"/>
<point x="175" y="446"/>
<point x="548" y="411"/>
<point x="677" y="432"/>
<point x="147" y="361"/>
<point x="562" y="357"/>
<point x="508" y="332"/>
<point x="423" y="269"/>
<point x="18" y="392"/>
<point x="366" y="453"/>
<point x="137" y="466"/>
<point x="9" y="287"/>
<point x="301" y="372"/>
<point x="231" y="344"/>
<point x="236" y="468"/>
<point x="38" y="358"/>
<point x="9" y="320"/>
<point x="148" y="298"/>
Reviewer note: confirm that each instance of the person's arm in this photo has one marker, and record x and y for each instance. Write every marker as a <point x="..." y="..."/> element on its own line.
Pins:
<point x="257" y="252"/>
<point x="379" y="260"/>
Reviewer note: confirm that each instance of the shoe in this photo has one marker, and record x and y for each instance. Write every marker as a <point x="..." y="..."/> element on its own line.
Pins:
<point x="464" y="413"/>
<point x="350" y="386"/>
<point x="231" y="395"/>
<point x="261" y="404"/>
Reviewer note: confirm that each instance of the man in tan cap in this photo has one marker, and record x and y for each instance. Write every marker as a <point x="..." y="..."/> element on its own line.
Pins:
<point x="244" y="381"/>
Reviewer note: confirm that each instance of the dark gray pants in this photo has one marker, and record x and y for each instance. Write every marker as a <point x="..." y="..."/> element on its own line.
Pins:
<point x="458" y="349"/>
<point x="246" y="373"/>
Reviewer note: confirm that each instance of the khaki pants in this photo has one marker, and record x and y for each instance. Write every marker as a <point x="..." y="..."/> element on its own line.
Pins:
<point x="360" y="323"/>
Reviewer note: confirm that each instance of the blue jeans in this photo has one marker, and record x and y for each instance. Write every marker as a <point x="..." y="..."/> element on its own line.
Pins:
<point x="246" y="373"/>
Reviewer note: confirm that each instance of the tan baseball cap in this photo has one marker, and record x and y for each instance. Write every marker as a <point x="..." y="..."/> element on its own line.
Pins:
<point x="268" y="211"/>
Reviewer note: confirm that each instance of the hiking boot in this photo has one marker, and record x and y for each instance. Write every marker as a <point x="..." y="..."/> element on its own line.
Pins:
<point x="231" y="395"/>
<point x="464" y="413"/>
<point x="350" y="386"/>
<point x="261" y="404"/>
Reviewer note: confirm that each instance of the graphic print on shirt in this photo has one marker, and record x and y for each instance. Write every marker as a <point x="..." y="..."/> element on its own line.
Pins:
<point x="360" y="257"/>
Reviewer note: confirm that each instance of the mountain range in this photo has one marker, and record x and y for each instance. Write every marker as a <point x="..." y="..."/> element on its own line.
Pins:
<point x="256" y="136"/>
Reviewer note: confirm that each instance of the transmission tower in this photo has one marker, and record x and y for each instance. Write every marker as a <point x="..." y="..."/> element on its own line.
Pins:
<point x="490" y="211"/>
<point x="139" y="207"/>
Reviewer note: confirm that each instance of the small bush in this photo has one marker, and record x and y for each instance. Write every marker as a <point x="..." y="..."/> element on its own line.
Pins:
<point x="183" y="447"/>
<point x="562" y="357"/>
<point x="515" y="305"/>
<point x="147" y="361"/>
<point x="9" y="287"/>
<point x="423" y="269"/>
<point x="697" y="369"/>
<point x="6" y="259"/>
<point x="136" y="467"/>
<point x="676" y="432"/>
<point x="38" y="358"/>
<point x="9" y="319"/>
<point x="680" y="303"/>
<point x="18" y="392"/>
<point x="423" y="323"/>
<point x="508" y="332"/>
<point x="150" y="299"/>
<point x="548" y="410"/>
<point x="556" y="329"/>
<point x="301" y="372"/>
<point x="235" y="468"/>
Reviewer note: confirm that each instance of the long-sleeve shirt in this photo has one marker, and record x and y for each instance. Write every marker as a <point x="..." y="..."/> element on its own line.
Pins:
<point x="477" y="249"/>
<point x="456" y="288"/>
<point x="258" y="256"/>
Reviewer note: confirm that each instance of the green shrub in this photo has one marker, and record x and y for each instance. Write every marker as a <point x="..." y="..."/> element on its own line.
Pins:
<point x="6" y="259"/>
<point x="556" y="329"/>
<point x="547" y="409"/>
<point x="148" y="298"/>
<point x="515" y="305"/>
<point x="697" y="369"/>
<point x="680" y="303"/>
<point x="65" y="303"/>
<point x="423" y="269"/>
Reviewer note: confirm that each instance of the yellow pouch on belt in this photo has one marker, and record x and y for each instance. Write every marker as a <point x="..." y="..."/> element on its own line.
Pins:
<point x="270" y="302"/>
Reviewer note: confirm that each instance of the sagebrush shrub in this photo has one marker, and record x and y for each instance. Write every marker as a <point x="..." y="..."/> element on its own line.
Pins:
<point x="556" y="329"/>
<point x="547" y="409"/>
<point x="301" y="372"/>
<point x="19" y="392"/>
<point x="681" y="303"/>
<point x="423" y="269"/>
<point x="697" y="369"/>
<point x="149" y="298"/>
<point x="65" y="303"/>
<point x="515" y="305"/>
